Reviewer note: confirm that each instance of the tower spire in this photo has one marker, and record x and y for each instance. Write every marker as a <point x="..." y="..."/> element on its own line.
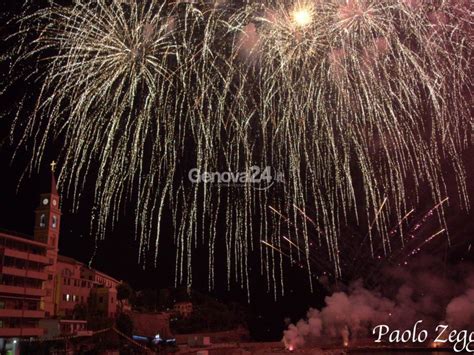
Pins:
<point x="53" y="179"/>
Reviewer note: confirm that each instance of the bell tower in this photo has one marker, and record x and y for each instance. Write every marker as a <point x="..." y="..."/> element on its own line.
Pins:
<point x="48" y="215"/>
<point x="47" y="223"/>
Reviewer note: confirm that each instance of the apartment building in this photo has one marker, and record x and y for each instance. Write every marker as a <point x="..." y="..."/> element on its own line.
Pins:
<point x="77" y="283"/>
<point x="23" y="272"/>
<point x="38" y="285"/>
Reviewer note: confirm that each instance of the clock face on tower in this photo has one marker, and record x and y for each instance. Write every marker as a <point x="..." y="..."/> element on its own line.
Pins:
<point x="55" y="202"/>
<point x="45" y="201"/>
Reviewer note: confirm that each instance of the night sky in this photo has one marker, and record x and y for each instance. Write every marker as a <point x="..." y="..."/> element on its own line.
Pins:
<point x="117" y="255"/>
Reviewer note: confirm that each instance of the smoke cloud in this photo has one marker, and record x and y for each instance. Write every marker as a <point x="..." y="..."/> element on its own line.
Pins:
<point x="425" y="290"/>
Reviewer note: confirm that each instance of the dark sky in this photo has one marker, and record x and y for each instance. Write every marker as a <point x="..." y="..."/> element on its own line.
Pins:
<point x="117" y="255"/>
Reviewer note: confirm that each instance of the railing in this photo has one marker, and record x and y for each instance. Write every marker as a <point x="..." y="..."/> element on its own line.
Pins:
<point x="22" y="290"/>
<point x="32" y="274"/>
<point x="25" y="255"/>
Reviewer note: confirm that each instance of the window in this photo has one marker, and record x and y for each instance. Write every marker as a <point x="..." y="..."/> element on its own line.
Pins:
<point x="54" y="222"/>
<point x="42" y="220"/>
<point x="101" y="299"/>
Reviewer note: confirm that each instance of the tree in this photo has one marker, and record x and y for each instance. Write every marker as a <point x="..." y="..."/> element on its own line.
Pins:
<point x="209" y="314"/>
<point x="96" y="319"/>
<point x="182" y="294"/>
<point x="164" y="299"/>
<point x="146" y="300"/>
<point x="124" y="324"/>
<point x="124" y="292"/>
<point x="80" y="311"/>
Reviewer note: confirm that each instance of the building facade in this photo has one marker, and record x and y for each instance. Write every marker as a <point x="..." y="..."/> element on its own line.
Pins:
<point x="78" y="284"/>
<point x="37" y="284"/>
<point x="23" y="273"/>
<point x="183" y="309"/>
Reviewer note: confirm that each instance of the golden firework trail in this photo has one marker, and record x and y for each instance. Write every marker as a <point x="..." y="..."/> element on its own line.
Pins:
<point x="357" y="260"/>
<point x="274" y="248"/>
<point x="351" y="100"/>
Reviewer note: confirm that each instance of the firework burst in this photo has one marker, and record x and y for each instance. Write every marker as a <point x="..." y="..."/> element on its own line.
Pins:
<point x="352" y="100"/>
<point x="359" y="258"/>
<point x="365" y="93"/>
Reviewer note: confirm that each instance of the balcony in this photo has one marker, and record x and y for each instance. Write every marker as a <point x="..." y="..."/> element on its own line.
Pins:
<point x="20" y="290"/>
<point x="21" y="313"/>
<point x="26" y="256"/>
<point x="32" y="274"/>
<point x="21" y="332"/>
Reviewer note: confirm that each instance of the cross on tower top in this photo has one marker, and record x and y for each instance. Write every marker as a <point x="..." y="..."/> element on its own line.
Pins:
<point x="53" y="166"/>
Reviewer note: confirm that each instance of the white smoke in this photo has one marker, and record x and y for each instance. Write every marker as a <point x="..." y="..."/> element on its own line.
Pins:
<point x="460" y="311"/>
<point x="426" y="290"/>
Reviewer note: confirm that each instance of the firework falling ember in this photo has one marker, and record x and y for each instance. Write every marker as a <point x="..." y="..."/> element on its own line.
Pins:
<point x="358" y="257"/>
<point x="359" y="96"/>
<point x="127" y="86"/>
<point x="334" y="94"/>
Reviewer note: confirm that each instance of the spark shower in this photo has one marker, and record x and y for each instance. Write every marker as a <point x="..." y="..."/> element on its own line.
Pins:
<point x="358" y="102"/>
